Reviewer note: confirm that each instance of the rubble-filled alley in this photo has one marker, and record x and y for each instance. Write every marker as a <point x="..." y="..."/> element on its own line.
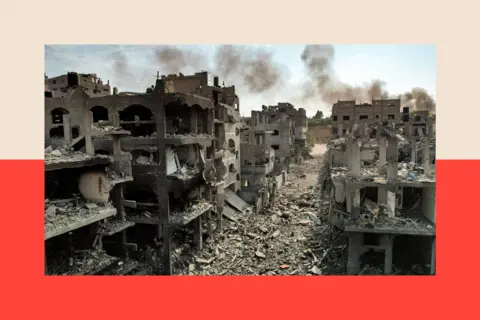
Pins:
<point x="282" y="240"/>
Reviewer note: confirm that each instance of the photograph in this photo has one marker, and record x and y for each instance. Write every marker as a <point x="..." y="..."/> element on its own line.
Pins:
<point x="240" y="159"/>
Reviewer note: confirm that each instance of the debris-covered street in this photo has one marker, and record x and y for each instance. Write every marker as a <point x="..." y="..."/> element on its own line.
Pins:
<point x="285" y="239"/>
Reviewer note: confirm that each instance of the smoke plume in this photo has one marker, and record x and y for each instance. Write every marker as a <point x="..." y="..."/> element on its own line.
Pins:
<point x="254" y="66"/>
<point x="174" y="60"/>
<point x="420" y="99"/>
<point x="318" y="60"/>
<point x="126" y="75"/>
<point x="121" y="65"/>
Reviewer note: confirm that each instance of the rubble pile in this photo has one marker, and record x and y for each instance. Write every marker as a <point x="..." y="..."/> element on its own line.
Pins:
<point x="407" y="171"/>
<point x="61" y="213"/>
<point x="189" y="212"/>
<point x="83" y="262"/>
<point x="190" y="135"/>
<point x="378" y="216"/>
<point x="65" y="154"/>
<point x="106" y="128"/>
<point x="185" y="173"/>
<point x="285" y="239"/>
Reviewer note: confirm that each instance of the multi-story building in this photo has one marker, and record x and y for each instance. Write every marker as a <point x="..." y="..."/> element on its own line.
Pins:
<point x="387" y="209"/>
<point x="90" y="83"/>
<point x="281" y="139"/>
<point x="298" y="116"/>
<point x="184" y="146"/>
<point x="81" y="222"/>
<point x="259" y="179"/>
<point x="346" y="113"/>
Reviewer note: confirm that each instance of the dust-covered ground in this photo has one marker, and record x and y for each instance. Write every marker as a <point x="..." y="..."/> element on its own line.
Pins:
<point x="289" y="238"/>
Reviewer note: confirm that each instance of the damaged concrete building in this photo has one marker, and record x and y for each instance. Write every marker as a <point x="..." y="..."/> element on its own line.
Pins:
<point x="289" y="126"/>
<point x="90" y="83"/>
<point x="281" y="137"/>
<point x="85" y="222"/>
<point x="184" y="147"/>
<point x="260" y="180"/>
<point x="385" y="206"/>
<point x="346" y="113"/>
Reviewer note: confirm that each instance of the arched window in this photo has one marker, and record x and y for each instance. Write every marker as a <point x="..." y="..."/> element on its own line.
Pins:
<point x="99" y="113"/>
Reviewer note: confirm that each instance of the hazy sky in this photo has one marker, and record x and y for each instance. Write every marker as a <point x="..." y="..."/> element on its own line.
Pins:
<point x="401" y="67"/>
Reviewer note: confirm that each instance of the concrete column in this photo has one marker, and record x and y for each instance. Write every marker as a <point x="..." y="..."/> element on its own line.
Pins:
<point x="340" y="130"/>
<point x="392" y="172"/>
<point x="414" y="150"/>
<point x="117" y="202"/>
<point x="161" y="190"/>
<point x="167" y="249"/>
<point x="387" y="242"/>
<point x="355" y="241"/>
<point x="193" y="121"/>
<point x="116" y="119"/>
<point x="87" y="127"/>
<point x="354" y="167"/>
<point x="220" y="199"/>
<point x="426" y="149"/>
<point x="382" y="159"/>
<point x="117" y="150"/>
<point x="355" y="159"/>
<point x="67" y="128"/>
<point x="382" y="155"/>
<point x="197" y="232"/>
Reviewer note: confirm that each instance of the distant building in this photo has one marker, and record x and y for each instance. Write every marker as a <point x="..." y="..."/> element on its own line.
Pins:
<point x="90" y="83"/>
<point x="345" y="113"/>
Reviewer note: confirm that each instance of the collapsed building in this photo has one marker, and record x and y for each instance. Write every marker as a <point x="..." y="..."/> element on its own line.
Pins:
<point x="281" y="137"/>
<point x="184" y="146"/>
<point x="289" y="126"/>
<point x="90" y="83"/>
<point x="262" y="175"/>
<point x="386" y="205"/>
<point x="85" y="222"/>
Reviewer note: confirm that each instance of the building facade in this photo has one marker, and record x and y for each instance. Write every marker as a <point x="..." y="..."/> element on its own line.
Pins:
<point x="346" y="113"/>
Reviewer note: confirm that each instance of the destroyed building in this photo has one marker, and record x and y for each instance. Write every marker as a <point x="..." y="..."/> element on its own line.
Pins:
<point x="283" y="118"/>
<point x="260" y="181"/>
<point x="184" y="146"/>
<point x="281" y="138"/>
<point x="386" y="206"/>
<point x="90" y="83"/>
<point x="346" y="113"/>
<point x="85" y="222"/>
<point x="299" y="118"/>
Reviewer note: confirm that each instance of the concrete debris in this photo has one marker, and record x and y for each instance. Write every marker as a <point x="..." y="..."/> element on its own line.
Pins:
<point x="61" y="214"/>
<point x="407" y="172"/>
<point x="87" y="262"/>
<point x="287" y="234"/>
<point x="106" y="128"/>
<point x="316" y="270"/>
<point x="65" y="154"/>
